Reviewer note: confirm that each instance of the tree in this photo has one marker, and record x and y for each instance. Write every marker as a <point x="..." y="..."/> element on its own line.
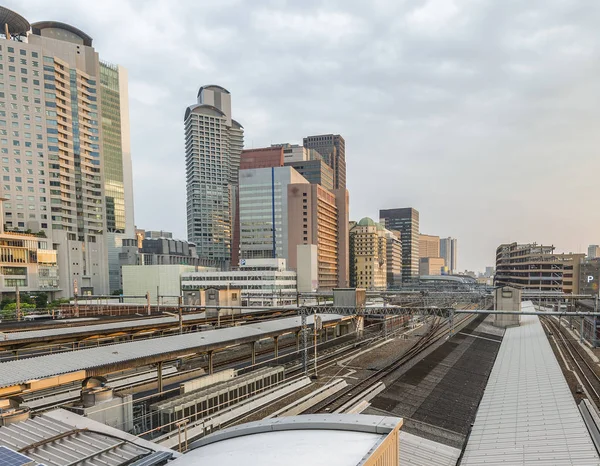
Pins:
<point x="117" y="293"/>
<point x="41" y="300"/>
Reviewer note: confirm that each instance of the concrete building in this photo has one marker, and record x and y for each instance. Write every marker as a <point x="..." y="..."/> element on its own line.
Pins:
<point x="537" y="267"/>
<point x="489" y="272"/>
<point x="152" y="234"/>
<point x="213" y="144"/>
<point x="449" y="252"/>
<point x="368" y="246"/>
<point x="116" y="150"/>
<point x="263" y="282"/>
<point x="429" y="246"/>
<point x="265" y="157"/>
<point x="332" y="148"/>
<point x="263" y="211"/>
<point x="406" y="221"/>
<point x="589" y="276"/>
<point x="593" y="251"/>
<point x="393" y="258"/>
<point x="51" y="146"/>
<point x="431" y="266"/>
<point x="315" y="172"/>
<point x="319" y="216"/>
<point x="163" y="280"/>
<point x="307" y="268"/>
<point x="298" y="153"/>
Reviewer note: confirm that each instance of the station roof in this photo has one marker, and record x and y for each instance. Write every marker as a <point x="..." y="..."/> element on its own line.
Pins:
<point x="60" y="437"/>
<point x="325" y="439"/>
<point x="528" y="414"/>
<point x="22" y="373"/>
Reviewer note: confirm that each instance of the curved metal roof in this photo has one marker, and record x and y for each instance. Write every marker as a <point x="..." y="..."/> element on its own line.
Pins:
<point x="191" y="108"/>
<point x="16" y="23"/>
<point x="213" y="87"/>
<point x="87" y="40"/>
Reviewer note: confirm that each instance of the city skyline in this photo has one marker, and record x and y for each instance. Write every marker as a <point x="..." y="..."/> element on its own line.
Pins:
<point x="447" y="126"/>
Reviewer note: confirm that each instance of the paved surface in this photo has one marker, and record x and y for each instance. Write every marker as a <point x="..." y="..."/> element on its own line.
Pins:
<point x="438" y="397"/>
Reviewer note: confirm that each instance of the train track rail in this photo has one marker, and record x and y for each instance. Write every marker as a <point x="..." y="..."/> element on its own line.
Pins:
<point x="585" y="371"/>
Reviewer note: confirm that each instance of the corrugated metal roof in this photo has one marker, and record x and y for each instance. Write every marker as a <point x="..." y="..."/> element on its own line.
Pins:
<point x="528" y="414"/>
<point x="54" y="443"/>
<point x="24" y="370"/>
<point x="417" y="451"/>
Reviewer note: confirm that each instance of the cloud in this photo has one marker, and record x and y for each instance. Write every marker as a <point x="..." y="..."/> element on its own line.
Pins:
<point x="480" y="114"/>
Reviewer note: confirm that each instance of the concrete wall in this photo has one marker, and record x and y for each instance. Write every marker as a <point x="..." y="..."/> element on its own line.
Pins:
<point x="307" y="268"/>
<point x="140" y="279"/>
<point x="507" y="299"/>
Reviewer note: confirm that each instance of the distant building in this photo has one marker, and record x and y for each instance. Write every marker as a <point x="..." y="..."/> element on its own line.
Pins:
<point x="368" y="250"/>
<point x="489" y="272"/>
<point x="332" y="148"/>
<point x="263" y="282"/>
<point x="315" y="172"/>
<point x="154" y="234"/>
<point x="593" y="251"/>
<point x="213" y="145"/>
<point x="320" y="217"/>
<point x="449" y="252"/>
<point x="163" y="280"/>
<point x="394" y="258"/>
<point x="406" y="221"/>
<point x="263" y="211"/>
<point x="537" y="267"/>
<point x="298" y="153"/>
<point x="265" y="157"/>
<point x="431" y="266"/>
<point x="429" y="246"/>
<point x="589" y="277"/>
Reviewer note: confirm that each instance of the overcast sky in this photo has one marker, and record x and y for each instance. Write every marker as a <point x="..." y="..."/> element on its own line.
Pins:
<point x="481" y="114"/>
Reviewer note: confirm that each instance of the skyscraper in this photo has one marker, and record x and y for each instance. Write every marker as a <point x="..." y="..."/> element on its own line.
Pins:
<point x="116" y="150"/>
<point x="593" y="251"/>
<point x="213" y="144"/>
<point x="51" y="146"/>
<point x="332" y="148"/>
<point x="449" y="252"/>
<point x="406" y="221"/>
<point x="429" y="246"/>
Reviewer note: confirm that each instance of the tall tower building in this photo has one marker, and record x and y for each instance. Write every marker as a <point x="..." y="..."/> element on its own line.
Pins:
<point x="51" y="146"/>
<point x="406" y="221"/>
<point x="429" y="246"/>
<point x="213" y="144"/>
<point x="449" y="252"/>
<point x="332" y="148"/>
<point x="593" y="251"/>
<point x="118" y="183"/>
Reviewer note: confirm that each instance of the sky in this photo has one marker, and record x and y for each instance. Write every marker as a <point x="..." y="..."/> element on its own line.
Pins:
<point x="481" y="114"/>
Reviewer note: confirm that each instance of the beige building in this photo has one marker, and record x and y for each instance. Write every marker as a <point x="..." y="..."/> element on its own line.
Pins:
<point x="319" y="216"/>
<point x="394" y="258"/>
<point x="538" y="268"/>
<point x="431" y="266"/>
<point x="368" y="254"/>
<point x="429" y="246"/>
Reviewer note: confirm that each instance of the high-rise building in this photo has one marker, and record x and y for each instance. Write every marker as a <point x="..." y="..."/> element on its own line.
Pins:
<point x="406" y="221"/>
<point x="52" y="146"/>
<point x="332" y="148"/>
<point x="593" y="251"/>
<point x="449" y="252"/>
<point x="368" y="249"/>
<point x="264" y="157"/>
<point x="536" y="267"/>
<point x="394" y="258"/>
<point x="213" y="144"/>
<point x="319" y="216"/>
<point x="431" y="265"/>
<point x="116" y="150"/>
<point x="315" y="172"/>
<point x="263" y="211"/>
<point x="298" y="153"/>
<point x="429" y="246"/>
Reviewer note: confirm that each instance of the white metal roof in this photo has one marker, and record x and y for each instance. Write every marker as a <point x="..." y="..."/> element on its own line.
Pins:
<point x="60" y="438"/>
<point x="417" y="451"/>
<point x="23" y="370"/>
<point x="528" y="414"/>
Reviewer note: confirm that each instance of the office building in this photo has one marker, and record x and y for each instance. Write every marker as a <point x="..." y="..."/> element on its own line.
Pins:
<point x="51" y="144"/>
<point x="315" y="172"/>
<point x="394" y="258"/>
<point x="489" y="272"/>
<point x="538" y="268"/>
<point x="154" y="234"/>
<point x="431" y="266"/>
<point x="263" y="282"/>
<point x="320" y="217"/>
<point x="449" y="252"/>
<point x="429" y="246"/>
<point x="593" y="251"/>
<point x="116" y="150"/>
<point x="213" y="145"/>
<point x="157" y="280"/>
<point x="298" y="153"/>
<point x="263" y="211"/>
<point x="406" y="221"/>
<point x="264" y="157"/>
<point x="368" y="250"/>
<point x="332" y="148"/>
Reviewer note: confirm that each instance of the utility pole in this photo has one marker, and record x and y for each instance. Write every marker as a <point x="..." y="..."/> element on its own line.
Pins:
<point x="18" y="302"/>
<point x="180" y="316"/>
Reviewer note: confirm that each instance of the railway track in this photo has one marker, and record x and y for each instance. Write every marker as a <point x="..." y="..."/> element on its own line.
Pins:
<point x="437" y="331"/>
<point x="578" y="362"/>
